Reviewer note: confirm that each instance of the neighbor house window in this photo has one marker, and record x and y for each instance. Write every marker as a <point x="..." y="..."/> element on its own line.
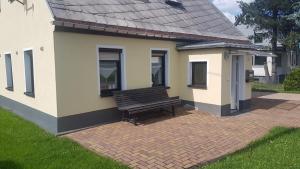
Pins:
<point x="199" y="74"/>
<point x="110" y="71"/>
<point x="258" y="38"/>
<point x="158" y="68"/>
<point x="29" y="75"/>
<point x="260" y="60"/>
<point x="9" y="74"/>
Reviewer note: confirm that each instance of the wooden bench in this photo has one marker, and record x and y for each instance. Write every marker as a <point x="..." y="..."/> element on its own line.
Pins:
<point x="131" y="102"/>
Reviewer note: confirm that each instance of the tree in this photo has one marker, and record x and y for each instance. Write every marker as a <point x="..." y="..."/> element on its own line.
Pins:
<point x="271" y="17"/>
<point x="292" y="40"/>
<point x="268" y="16"/>
<point x="296" y="15"/>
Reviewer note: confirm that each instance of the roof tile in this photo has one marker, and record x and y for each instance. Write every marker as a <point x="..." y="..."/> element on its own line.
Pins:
<point x="199" y="17"/>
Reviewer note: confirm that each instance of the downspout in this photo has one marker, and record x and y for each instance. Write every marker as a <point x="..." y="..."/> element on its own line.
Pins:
<point x="274" y="46"/>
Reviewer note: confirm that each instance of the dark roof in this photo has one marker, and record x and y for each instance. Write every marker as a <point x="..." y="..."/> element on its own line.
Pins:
<point x="209" y="45"/>
<point x="246" y="48"/>
<point x="195" y="19"/>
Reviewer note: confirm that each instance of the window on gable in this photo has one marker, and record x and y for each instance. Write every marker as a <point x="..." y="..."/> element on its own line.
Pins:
<point x="9" y="73"/>
<point x="158" y="62"/>
<point x="110" y="71"/>
<point x="258" y="38"/>
<point x="29" y="74"/>
<point x="199" y="75"/>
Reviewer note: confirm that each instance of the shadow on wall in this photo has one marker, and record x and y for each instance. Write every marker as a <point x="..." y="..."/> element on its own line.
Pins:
<point x="9" y="165"/>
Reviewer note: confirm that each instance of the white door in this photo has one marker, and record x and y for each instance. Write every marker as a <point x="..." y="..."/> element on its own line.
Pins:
<point x="235" y="83"/>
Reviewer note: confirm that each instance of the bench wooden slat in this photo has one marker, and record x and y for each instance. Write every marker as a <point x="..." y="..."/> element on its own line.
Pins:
<point x="151" y="107"/>
<point x="141" y="100"/>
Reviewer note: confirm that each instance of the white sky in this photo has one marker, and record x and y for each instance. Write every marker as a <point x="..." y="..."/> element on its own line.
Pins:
<point x="229" y="7"/>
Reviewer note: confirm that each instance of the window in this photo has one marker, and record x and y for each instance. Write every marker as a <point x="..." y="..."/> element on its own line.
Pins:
<point x="110" y="71"/>
<point x="258" y="38"/>
<point x="260" y="60"/>
<point x="158" y="61"/>
<point x="9" y="74"/>
<point x="199" y="74"/>
<point x="29" y="77"/>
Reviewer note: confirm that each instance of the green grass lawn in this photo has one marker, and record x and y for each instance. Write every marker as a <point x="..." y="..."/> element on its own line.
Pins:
<point x="25" y="146"/>
<point x="277" y="88"/>
<point x="280" y="149"/>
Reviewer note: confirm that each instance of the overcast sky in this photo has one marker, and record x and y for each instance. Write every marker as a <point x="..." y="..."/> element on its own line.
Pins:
<point x="229" y="7"/>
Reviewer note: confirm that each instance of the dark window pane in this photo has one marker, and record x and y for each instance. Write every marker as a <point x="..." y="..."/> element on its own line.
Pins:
<point x="260" y="60"/>
<point x="110" y="71"/>
<point x="258" y="38"/>
<point x="9" y="75"/>
<point x="199" y="74"/>
<point x="109" y="75"/>
<point x="29" y="78"/>
<point x="158" y="68"/>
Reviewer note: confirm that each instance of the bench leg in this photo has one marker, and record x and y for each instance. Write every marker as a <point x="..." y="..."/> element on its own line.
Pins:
<point x="132" y="118"/>
<point x="135" y="120"/>
<point x="123" y="115"/>
<point x="173" y="111"/>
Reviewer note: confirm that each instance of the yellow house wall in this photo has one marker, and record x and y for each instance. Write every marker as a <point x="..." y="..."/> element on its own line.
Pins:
<point x="77" y="69"/>
<point x="22" y="29"/>
<point x="211" y="95"/>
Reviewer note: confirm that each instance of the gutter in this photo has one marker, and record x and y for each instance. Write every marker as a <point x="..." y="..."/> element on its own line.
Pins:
<point x="130" y="31"/>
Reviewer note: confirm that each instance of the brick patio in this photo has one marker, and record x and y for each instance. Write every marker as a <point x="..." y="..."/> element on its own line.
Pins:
<point x="191" y="138"/>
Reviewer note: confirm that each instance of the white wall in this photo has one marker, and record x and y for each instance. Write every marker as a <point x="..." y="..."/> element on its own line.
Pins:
<point x="22" y="29"/>
<point x="259" y="70"/>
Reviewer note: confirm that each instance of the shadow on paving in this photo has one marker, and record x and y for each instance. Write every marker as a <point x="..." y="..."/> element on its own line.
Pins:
<point x="262" y="103"/>
<point x="150" y="117"/>
<point x="265" y="104"/>
<point x="257" y="94"/>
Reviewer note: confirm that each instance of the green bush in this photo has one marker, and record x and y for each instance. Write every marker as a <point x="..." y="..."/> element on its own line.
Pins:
<point x="292" y="81"/>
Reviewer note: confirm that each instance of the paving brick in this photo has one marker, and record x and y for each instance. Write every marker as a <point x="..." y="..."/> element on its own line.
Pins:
<point x="189" y="139"/>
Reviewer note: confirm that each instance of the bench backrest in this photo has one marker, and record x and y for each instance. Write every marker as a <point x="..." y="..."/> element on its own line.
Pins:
<point x="140" y="96"/>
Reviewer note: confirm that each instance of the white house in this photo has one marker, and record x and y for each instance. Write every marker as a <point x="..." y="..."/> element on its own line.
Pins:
<point x="267" y="65"/>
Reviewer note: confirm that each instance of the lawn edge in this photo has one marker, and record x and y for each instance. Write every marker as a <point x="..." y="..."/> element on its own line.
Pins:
<point x="222" y="157"/>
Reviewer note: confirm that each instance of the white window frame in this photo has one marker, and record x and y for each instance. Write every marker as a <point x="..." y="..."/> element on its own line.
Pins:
<point x="254" y="58"/>
<point x="190" y="71"/>
<point x="12" y="72"/>
<point x="123" y="65"/>
<point x="167" y="65"/>
<point x="33" y="72"/>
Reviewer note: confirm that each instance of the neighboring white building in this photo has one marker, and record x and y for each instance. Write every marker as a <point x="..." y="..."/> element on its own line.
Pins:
<point x="264" y="65"/>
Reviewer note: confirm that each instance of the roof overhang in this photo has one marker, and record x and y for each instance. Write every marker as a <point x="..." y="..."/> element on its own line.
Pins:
<point x="212" y="45"/>
<point x="234" y="48"/>
<point x="254" y="53"/>
<point x="74" y="25"/>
